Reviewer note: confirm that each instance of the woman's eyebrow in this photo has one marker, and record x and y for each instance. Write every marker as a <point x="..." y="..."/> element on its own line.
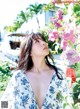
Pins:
<point x="38" y="38"/>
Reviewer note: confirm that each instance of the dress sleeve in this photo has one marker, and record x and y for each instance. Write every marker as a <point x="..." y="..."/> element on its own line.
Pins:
<point x="9" y="97"/>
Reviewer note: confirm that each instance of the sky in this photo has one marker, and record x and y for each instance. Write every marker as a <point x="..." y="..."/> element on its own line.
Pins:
<point x="10" y="8"/>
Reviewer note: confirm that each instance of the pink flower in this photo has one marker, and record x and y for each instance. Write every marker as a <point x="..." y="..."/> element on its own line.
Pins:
<point x="56" y="23"/>
<point x="53" y="35"/>
<point x="74" y="60"/>
<point x="52" y="19"/>
<point x="69" y="36"/>
<point x="72" y="57"/>
<point x="64" y="45"/>
<point x="70" y="53"/>
<point x="60" y="16"/>
<point x="72" y="39"/>
<point x="66" y="36"/>
<point x="54" y="1"/>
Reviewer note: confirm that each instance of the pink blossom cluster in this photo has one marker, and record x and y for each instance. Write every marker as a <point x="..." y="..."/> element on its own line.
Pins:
<point x="66" y="38"/>
<point x="60" y="15"/>
<point x="57" y="19"/>
<point x="54" y="1"/>
<point x="53" y="35"/>
<point x="66" y="35"/>
<point x="72" y="57"/>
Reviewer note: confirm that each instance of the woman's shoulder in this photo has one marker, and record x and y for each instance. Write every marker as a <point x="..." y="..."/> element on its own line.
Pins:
<point x="17" y="74"/>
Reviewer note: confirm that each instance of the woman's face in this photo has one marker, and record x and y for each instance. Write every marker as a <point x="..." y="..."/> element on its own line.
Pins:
<point x="39" y="48"/>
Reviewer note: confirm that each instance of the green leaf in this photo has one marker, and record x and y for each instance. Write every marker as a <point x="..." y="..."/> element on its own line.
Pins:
<point x="65" y="105"/>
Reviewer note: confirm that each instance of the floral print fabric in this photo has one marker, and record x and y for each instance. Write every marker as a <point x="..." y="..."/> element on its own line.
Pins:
<point x="20" y="95"/>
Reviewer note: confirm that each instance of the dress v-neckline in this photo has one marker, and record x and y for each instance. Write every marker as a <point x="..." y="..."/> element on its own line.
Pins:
<point x="47" y="92"/>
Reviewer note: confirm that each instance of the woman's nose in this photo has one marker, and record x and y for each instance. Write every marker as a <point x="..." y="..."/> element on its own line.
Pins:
<point x="43" y="42"/>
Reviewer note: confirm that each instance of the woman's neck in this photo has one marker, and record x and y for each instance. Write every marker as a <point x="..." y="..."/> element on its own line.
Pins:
<point x="39" y="65"/>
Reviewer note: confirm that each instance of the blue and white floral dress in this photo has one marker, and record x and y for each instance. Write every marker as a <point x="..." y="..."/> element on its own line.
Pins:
<point x="20" y="95"/>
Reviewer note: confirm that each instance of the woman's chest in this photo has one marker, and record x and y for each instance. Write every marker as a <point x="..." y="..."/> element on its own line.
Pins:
<point x="39" y="92"/>
<point x="41" y="88"/>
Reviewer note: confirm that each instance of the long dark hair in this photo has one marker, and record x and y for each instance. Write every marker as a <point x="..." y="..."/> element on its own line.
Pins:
<point x="25" y="60"/>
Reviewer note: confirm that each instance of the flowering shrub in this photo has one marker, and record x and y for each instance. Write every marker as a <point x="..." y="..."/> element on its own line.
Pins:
<point x="64" y="35"/>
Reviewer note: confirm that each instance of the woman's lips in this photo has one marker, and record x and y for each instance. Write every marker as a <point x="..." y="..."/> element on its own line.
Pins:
<point x="45" y="48"/>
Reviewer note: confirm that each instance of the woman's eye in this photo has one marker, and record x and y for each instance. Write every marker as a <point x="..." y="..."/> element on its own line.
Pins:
<point x="36" y="41"/>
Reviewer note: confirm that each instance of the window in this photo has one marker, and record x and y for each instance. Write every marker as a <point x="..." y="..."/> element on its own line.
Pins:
<point x="48" y="15"/>
<point x="51" y="13"/>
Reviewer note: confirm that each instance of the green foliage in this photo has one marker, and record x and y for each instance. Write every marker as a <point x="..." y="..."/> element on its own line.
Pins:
<point x="24" y="16"/>
<point x="77" y="106"/>
<point x="35" y="9"/>
<point x="45" y="34"/>
<point x="5" y="68"/>
<point x="77" y="68"/>
<point x="65" y="10"/>
<point x="76" y="10"/>
<point x="18" y="22"/>
<point x="48" y="6"/>
<point x="76" y="85"/>
<point x="5" y="74"/>
<point x="9" y="28"/>
<point x="78" y="21"/>
<point x="76" y="91"/>
<point x="3" y="81"/>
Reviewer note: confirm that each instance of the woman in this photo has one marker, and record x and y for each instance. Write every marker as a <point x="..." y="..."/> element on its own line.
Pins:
<point x="37" y="84"/>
